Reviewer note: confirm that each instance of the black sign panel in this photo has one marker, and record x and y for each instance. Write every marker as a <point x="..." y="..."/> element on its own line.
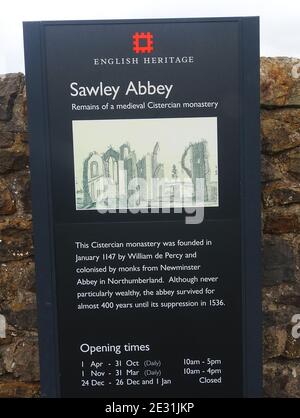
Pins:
<point x="144" y="143"/>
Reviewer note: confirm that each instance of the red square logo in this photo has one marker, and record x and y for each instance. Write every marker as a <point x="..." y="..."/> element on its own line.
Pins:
<point x="143" y="42"/>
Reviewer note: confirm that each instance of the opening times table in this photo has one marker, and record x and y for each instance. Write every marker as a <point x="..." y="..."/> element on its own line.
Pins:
<point x="132" y="371"/>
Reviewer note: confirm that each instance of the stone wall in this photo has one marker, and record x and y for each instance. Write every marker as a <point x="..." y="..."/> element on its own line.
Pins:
<point x="19" y="370"/>
<point x="280" y="133"/>
<point x="280" y="127"/>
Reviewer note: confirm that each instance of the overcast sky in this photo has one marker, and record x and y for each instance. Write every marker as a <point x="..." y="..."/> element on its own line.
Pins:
<point x="280" y="19"/>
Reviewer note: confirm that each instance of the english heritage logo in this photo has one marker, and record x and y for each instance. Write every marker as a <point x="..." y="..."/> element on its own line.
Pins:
<point x="143" y="42"/>
<point x="142" y="45"/>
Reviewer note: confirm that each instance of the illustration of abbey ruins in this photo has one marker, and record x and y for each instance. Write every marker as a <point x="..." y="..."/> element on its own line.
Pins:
<point x="118" y="178"/>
